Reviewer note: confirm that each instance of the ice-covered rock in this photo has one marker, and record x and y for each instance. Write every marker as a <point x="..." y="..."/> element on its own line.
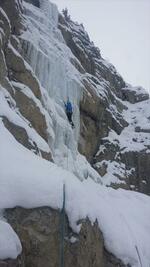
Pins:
<point x="46" y="58"/>
<point x="134" y="94"/>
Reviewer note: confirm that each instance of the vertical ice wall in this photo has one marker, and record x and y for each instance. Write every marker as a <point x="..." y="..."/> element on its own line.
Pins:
<point x="45" y="50"/>
<point x="48" y="54"/>
<point x="50" y="11"/>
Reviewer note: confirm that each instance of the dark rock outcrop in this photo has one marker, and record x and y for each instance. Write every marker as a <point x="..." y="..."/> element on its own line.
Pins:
<point x="134" y="95"/>
<point x="11" y="263"/>
<point x="102" y="112"/>
<point x="39" y="231"/>
<point x="89" y="56"/>
<point x="14" y="10"/>
<point x="31" y="112"/>
<point x="14" y="68"/>
<point x="19" y="71"/>
<point x="34" y="2"/>
<point x="21" y="136"/>
<point x="139" y="179"/>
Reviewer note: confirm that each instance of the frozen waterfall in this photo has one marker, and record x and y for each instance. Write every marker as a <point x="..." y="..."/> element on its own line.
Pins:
<point x="45" y="50"/>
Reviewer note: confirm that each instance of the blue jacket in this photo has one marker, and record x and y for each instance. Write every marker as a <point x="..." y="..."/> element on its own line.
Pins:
<point x="68" y="107"/>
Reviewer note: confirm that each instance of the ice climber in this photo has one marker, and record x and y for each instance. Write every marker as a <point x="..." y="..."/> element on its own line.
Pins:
<point x="69" y="111"/>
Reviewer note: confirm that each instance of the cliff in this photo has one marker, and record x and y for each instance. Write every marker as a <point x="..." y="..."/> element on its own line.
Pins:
<point x="114" y="116"/>
<point x="45" y="57"/>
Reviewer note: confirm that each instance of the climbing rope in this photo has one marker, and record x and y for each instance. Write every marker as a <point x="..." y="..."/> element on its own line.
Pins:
<point x="62" y="216"/>
<point x="62" y="229"/>
<point x="137" y="251"/>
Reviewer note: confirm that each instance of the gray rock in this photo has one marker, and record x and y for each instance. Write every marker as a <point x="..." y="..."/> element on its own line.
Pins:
<point x="39" y="232"/>
<point x="134" y="95"/>
<point x="34" y="2"/>
<point x="14" y="13"/>
<point x="19" y="71"/>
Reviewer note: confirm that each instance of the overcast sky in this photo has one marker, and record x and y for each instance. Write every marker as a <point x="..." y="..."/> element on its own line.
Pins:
<point x="121" y="29"/>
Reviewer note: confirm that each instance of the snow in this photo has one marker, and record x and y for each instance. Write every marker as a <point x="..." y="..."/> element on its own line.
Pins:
<point x="137" y="90"/>
<point x="102" y="149"/>
<point x="27" y="91"/>
<point x="133" y="138"/>
<point x="50" y="11"/>
<point x="50" y="60"/>
<point x="18" y="4"/>
<point x="123" y="216"/>
<point x="73" y="239"/>
<point x="10" y="246"/>
<point x="12" y="114"/>
<point x="116" y="173"/>
<point x="137" y="115"/>
<point x="4" y="14"/>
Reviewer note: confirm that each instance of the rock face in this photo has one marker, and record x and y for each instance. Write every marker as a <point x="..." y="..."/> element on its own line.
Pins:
<point x="10" y="263"/>
<point x="34" y="2"/>
<point x="18" y="70"/>
<point x="106" y="99"/>
<point x="111" y="136"/>
<point x="40" y="234"/>
<point x="104" y="124"/>
<point x="31" y="112"/>
<point x="15" y="72"/>
<point x="13" y="10"/>
<point x="86" y="52"/>
<point x="134" y="95"/>
<point x="4" y="24"/>
<point x="140" y="163"/>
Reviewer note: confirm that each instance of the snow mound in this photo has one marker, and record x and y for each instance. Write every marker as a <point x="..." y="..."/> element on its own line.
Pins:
<point x="123" y="216"/>
<point x="10" y="246"/>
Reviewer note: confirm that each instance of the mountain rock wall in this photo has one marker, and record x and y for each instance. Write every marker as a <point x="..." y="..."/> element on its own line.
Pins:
<point x="106" y="100"/>
<point x="103" y="103"/>
<point x="40" y="232"/>
<point x="42" y="61"/>
<point x="16" y="75"/>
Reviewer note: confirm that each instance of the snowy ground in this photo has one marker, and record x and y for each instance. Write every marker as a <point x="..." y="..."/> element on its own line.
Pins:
<point x="136" y="136"/>
<point x="123" y="216"/>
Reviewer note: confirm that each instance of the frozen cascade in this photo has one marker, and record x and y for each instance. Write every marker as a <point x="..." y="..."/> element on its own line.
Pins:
<point x="49" y="56"/>
<point x="50" y="10"/>
<point x="29" y="175"/>
<point x="45" y="50"/>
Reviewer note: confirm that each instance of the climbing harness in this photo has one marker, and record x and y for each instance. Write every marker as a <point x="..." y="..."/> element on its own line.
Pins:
<point x="62" y="229"/>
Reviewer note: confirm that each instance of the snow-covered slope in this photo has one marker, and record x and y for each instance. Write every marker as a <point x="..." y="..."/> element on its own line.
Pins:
<point x="129" y="160"/>
<point x="44" y="60"/>
<point x="128" y="231"/>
